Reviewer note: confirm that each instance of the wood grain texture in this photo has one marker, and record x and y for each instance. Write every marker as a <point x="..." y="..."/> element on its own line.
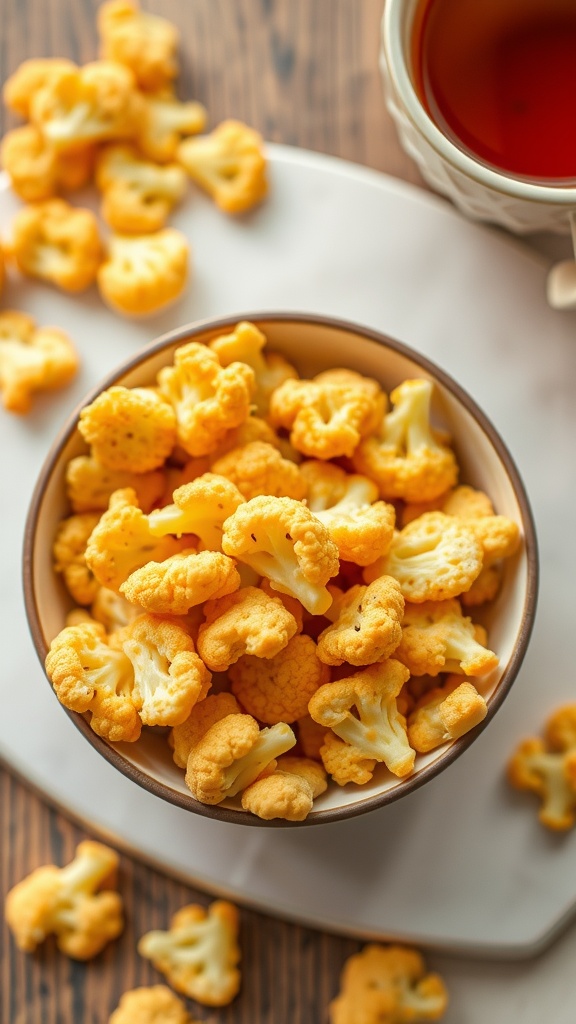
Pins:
<point x="305" y="73"/>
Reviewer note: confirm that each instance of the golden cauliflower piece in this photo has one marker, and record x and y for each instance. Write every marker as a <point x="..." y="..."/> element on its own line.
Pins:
<point x="437" y="637"/>
<point x="232" y="754"/>
<point x="367" y="624"/>
<point x="388" y="985"/>
<point x="377" y="731"/>
<point x="69" y="553"/>
<point x="29" y="77"/>
<point x="434" y="558"/>
<point x="547" y="767"/>
<point x="279" y="688"/>
<point x="229" y="164"/>
<point x="138" y="196"/>
<point x="258" y="468"/>
<point x="247" y="622"/>
<point x="199" y="955"/>
<point x="282" y="540"/>
<point x="405" y="457"/>
<point x="345" y="763"/>
<point x="112" y="610"/>
<point x="287" y="792"/>
<point x="144" y="42"/>
<point x="208" y="400"/>
<point x="90" y="484"/>
<point x="169" y="677"/>
<point x="176" y="584"/>
<point x="130" y="430"/>
<point x="58" y="243"/>
<point x="347" y="504"/>
<point x="142" y="274"/>
<point x="154" y="1005"/>
<point x="201" y="508"/>
<point x="445" y="713"/>
<point x="32" y="359"/>
<point x="75" y="903"/>
<point x="204" y="714"/>
<point x="37" y="171"/>
<point x="245" y="344"/>
<point x="165" y="121"/>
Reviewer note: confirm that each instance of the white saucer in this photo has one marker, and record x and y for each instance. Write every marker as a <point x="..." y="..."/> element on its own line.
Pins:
<point x="461" y="864"/>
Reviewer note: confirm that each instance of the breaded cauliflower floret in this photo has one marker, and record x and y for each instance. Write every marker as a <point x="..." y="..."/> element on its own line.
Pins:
<point x="547" y="767"/>
<point x="130" y="430"/>
<point x="245" y="344"/>
<point x="204" y="714"/>
<point x="169" y="677"/>
<point x="445" y="713"/>
<point x="165" y="121"/>
<point x="437" y="637"/>
<point x="29" y="77"/>
<point x="58" y="243"/>
<point x="248" y="622"/>
<point x="258" y="468"/>
<point x="144" y="42"/>
<point x="90" y="675"/>
<point x="199" y="955"/>
<point x="388" y="985"/>
<point x="112" y="610"/>
<point x="200" y="507"/>
<point x="282" y="540"/>
<point x="142" y="274"/>
<point x="32" y="359"/>
<point x="69" y="556"/>
<point x="405" y="457"/>
<point x="278" y="689"/>
<point x="229" y="164"/>
<point x="434" y="558"/>
<point x="89" y="484"/>
<point x="138" y="196"/>
<point x="178" y="583"/>
<point x="292" y="604"/>
<point x="121" y="542"/>
<point x="208" y="400"/>
<point x="75" y="903"/>
<point x="154" y="1005"/>
<point x="377" y="730"/>
<point x="232" y="754"/>
<point x="367" y="627"/>
<point x="37" y="171"/>
<point x="287" y="792"/>
<point x="347" y="505"/>
<point x="345" y="763"/>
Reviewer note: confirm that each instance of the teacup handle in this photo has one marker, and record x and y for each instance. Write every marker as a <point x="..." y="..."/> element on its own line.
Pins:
<point x="561" y="283"/>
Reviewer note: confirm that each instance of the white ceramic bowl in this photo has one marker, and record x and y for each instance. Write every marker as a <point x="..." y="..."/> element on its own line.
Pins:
<point x="312" y="343"/>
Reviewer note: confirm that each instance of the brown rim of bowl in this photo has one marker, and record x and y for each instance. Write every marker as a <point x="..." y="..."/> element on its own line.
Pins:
<point x="405" y="786"/>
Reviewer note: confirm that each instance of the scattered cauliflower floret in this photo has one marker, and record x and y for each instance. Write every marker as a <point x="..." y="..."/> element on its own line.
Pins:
<point x="288" y="792"/>
<point x="204" y="714"/>
<point x="144" y="42"/>
<point x="29" y="77"/>
<point x="245" y="344"/>
<point x="379" y="732"/>
<point x="208" y="400"/>
<point x="176" y="584"/>
<point x="388" y="985"/>
<point x="434" y="558"/>
<point x="75" y="903"/>
<point x="154" y="1005"/>
<point x="142" y="274"/>
<point x="199" y="955"/>
<point x="445" y="713"/>
<point x="130" y="430"/>
<point x="37" y="171"/>
<point x="282" y="540"/>
<point x="279" y="688"/>
<point x="247" y="622"/>
<point x="90" y="484"/>
<point x="547" y="767"/>
<point x="200" y="507"/>
<point x="229" y="164"/>
<point x="32" y="359"/>
<point x="138" y="196"/>
<point x="69" y="556"/>
<point x="232" y="754"/>
<point x="165" y="121"/>
<point x="367" y="627"/>
<point x="405" y="457"/>
<point x="259" y="468"/>
<point x="437" y="637"/>
<point x="58" y="243"/>
<point x="169" y="677"/>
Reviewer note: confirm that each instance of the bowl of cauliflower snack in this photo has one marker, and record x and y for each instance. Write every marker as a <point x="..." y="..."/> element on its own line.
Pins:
<point x="280" y="569"/>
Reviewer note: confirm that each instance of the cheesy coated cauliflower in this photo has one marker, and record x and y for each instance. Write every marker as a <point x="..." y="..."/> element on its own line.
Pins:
<point x="142" y="274"/>
<point x="58" y="243"/>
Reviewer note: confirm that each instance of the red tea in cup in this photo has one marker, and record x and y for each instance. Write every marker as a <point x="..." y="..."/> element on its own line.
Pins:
<point x="498" y="78"/>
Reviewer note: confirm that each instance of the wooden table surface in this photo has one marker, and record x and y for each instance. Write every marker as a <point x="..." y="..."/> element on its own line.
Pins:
<point x="305" y="73"/>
